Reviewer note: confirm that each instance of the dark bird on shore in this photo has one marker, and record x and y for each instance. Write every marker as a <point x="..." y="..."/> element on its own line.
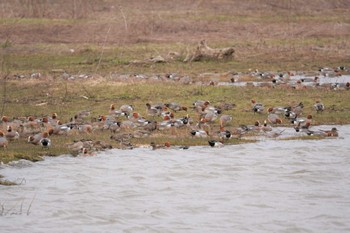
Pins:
<point x="302" y="124"/>
<point x="224" y="134"/>
<point x="199" y="133"/>
<point x="35" y="139"/>
<point x="45" y="142"/>
<point x="214" y="143"/>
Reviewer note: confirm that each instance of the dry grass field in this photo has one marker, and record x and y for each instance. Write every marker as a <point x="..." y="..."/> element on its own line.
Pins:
<point x="38" y="36"/>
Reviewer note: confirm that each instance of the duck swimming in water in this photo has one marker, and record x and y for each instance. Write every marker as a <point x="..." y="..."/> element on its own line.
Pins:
<point x="331" y="133"/>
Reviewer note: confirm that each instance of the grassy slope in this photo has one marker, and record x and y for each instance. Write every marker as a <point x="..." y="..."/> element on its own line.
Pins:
<point x="25" y="98"/>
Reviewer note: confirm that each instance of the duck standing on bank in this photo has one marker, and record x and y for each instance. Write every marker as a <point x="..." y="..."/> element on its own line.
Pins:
<point x="318" y="106"/>
<point x="257" y="107"/>
<point x="45" y="142"/>
<point x="214" y="143"/>
<point x="3" y="141"/>
<point x="11" y="135"/>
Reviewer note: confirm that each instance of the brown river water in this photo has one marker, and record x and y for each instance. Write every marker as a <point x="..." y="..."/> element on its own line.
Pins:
<point x="268" y="186"/>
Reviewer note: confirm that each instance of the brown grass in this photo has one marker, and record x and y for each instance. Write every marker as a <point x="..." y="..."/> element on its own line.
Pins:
<point x="277" y="34"/>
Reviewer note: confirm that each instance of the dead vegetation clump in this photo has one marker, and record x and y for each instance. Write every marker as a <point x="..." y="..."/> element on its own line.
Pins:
<point x="204" y="52"/>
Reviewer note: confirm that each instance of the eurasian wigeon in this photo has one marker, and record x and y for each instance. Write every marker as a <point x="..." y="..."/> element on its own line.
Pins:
<point x="76" y="146"/>
<point x="4" y="122"/>
<point x="5" y="119"/>
<point x="117" y="113"/>
<point x="35" y="139"/>
<point x="105" y="122"/>
<point x="127" y="124"/>
<point x="226" y="106"/>
<point x="111" y="109"/>
<point x="167" y="113"/>
<point x="298" y="109"/>
<point x="175" y="107"/>
<point x="82" y="114"/>
<point x="50" y="120"/>
<point x="199" y="133"/>
<point x="289" y="114"/>
<point x="11" y="135"/>
<point x="85" y="152"/>
<point x="201" y="104"/>
<point x="302" y="120"/>
<point x="141" y="133"/>
<point x="180" y="122"/>
<point x="152" y="110"/>
<point x="247" y="128"/>
<point x="225" y="119"/>
<point x="224" y="134"/>
<point x="167" y="123"/>
<point x="85" y="128"/>
<point x="214" y="143"/>
<point x="114" y="127"/>
<point x="277" y="110"/>
<point x="208" y="117"/>
<point x="303" y="124"/>
<point x="155" y="146"/>
<point x="3" y="141"/>
<point x="121" y="137"/>
<point x="62" y="129"/>
<point x="32" y="123"/>
<point x="170" y="122"/>
<point x="137" y="119"/>
<point x="127" y="108"/>
<point x="150" y="126"/>
<point x="257" y="107"/>
<point x="318" y="106"/>
<point x="265" y="127"/>
<point x="45" y="142"/>
<point x="331" y="133"/>
<point x="274" y="118"/>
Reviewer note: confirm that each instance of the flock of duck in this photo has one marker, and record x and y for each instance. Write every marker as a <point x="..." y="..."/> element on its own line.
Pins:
<point x="337" y="78"/>
<point x="125" y="123"/>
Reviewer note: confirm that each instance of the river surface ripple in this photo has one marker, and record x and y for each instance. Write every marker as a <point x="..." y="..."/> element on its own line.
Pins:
<point x="268" y="186"/>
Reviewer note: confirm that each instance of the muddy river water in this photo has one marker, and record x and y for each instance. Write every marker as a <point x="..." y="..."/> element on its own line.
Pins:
<point x="267" y="186"/>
